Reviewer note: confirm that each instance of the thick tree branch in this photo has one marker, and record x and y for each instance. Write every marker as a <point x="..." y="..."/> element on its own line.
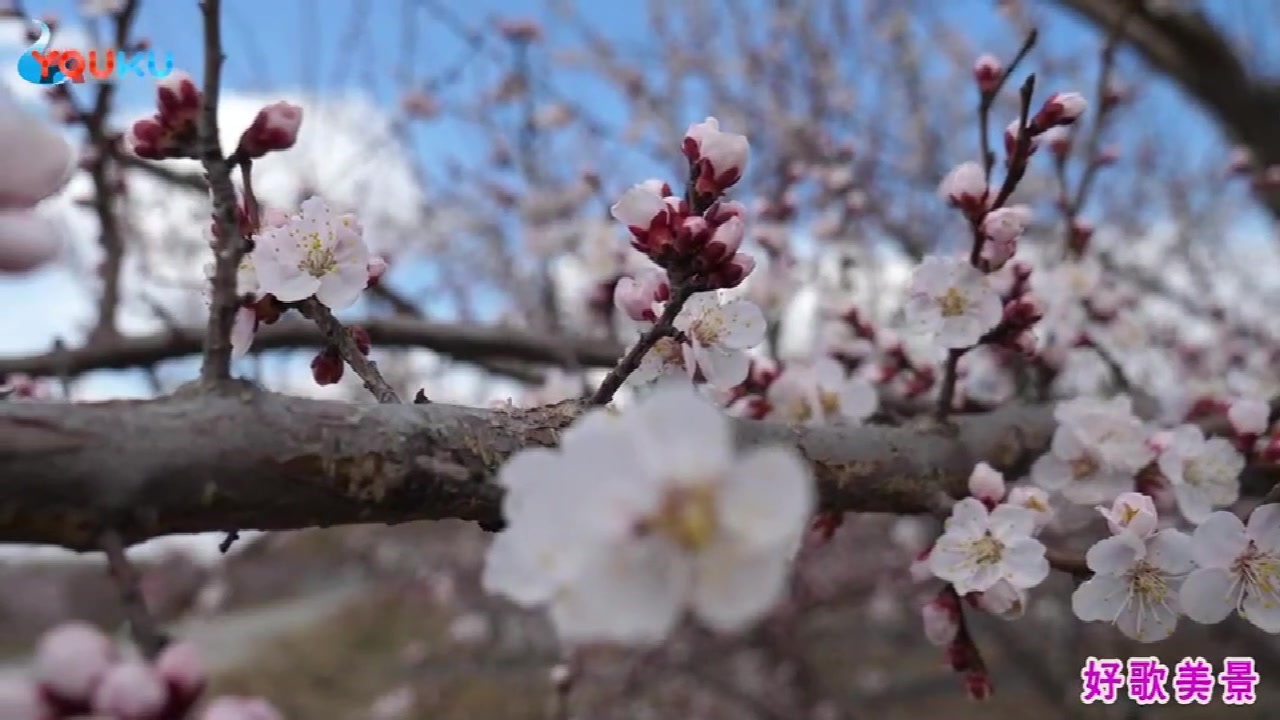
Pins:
<point x="1187" y="48"/>
<point x="464" y="342"/>
<point x="251" y="459"/>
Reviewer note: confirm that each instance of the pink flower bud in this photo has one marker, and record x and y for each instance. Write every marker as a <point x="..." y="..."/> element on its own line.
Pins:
<point x="240" y="708"/>
<point x="725" y="241"/>
<point x="732" y="273"/>
<point x="1133" y="513"/>
<point x="21" y="700"/>
<point x="720" y="157"/>
<point x="1249" y="417"/>
<point x="182" y="668"/>
<point x="178" y="99"/>
<point x="1033" y="499"/>
<point x="327" y="367"/>
<point x="640" y="208"/>
<point x="1006" y="224"/>
<point x="1059" y="109"/>
<point x="71" y="659"/>
<point x="147" y="139"/>
<point x="941" y="620"/>
<point x="1004" y="601"/>
<point x="987" y="484"/>
<point x="635" y="298"/>
<point x="1059" y="140"/>
<point x="275" y="127"/>
<point x="965" y="187"/>
<point x="987" y="72"/>
<point x="131" y="691"/>
<point x="720" y="212"/>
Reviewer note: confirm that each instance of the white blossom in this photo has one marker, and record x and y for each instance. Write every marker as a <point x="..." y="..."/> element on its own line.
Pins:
<point x="821" y="393"/>
<point x="1204" y="473"/>
<point x="981" y="548"/>
<point x="719" y="333"/>
<point x="318" y="252"/>
<point x="1239" y="569"/>
<point x="952" y="302"/>
<point x="1135" y="583"/>
<point x="641" y="515"/>
<point x="1096" y="451"/>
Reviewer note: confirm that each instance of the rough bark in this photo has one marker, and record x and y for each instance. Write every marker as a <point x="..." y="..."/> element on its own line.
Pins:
<point x="251" y="459"/>
<point x="1202" y="61"/>
<point x="458" y="341"/>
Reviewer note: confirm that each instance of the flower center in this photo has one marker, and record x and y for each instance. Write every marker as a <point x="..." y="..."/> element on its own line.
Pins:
<point x="1033" y="503"/>
<point x="1084" y="467"/>
<point x="1149" y="583"/>
<point x="669" y="350"/>
<point x="1127" y="514"/>
<point x="688" y="517"/>
<point x="1261" y="573"/>
<point x="830" y="402"/>
<point x="799" y="410"/>
<point x="952" y="303"/>
<point x="318" y="260"/>
<point x="986" y="550"/>
<point x="708" y="329"/>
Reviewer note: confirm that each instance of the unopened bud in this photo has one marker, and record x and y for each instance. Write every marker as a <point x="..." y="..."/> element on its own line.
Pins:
<point x="987" y="72"/>
<point x="275" y="127"/>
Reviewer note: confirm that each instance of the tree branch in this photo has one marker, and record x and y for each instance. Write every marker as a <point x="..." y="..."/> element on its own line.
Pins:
<point x="251" y="459"/>
<point x="464" y="342"/>
<point x="1188" y="49"/>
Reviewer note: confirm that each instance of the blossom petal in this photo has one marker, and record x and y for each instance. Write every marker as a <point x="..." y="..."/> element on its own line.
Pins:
<point x="1262" y="610"/>
<point x="1114" y="555"/>
<point x="744" y="325"/>
<point x="1171" y="551"/>
<point x="724" y="368"/>
<point x="1147" y="622"/>
<point x="1208" y="595"/>
<point x="1264" y="527"/>
<point x="1219" y="540"/>
<point x="1101" y="597"/>
<point x="633" y="594"/>
<point x="735" y="586"/>
<point x="243" y="328"/>
<point x="694" y="437"/>
<point x="1011" y="522"/>
<point x="1025" y="563"/>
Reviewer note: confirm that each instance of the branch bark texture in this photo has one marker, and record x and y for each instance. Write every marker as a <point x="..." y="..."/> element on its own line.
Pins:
<point x="247" y="459"/>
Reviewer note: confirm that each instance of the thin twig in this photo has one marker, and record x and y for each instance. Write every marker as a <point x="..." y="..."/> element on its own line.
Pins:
<point x="229" y="248"/>
<point x="665" y="327"/>
<point x="150" y="640"/>
<point x="340" y="337"/>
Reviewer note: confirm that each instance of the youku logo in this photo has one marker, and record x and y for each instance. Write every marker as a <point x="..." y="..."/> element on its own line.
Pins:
<point x="42" y="65"/>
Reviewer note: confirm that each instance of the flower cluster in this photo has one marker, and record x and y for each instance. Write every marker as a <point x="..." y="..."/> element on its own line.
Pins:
<point x="696" y="236"/>
<point x="1144" y="578"/>
<point x="172" y="131"/>
<point x="79" y="671"/>
<point x="678" y="521"/>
